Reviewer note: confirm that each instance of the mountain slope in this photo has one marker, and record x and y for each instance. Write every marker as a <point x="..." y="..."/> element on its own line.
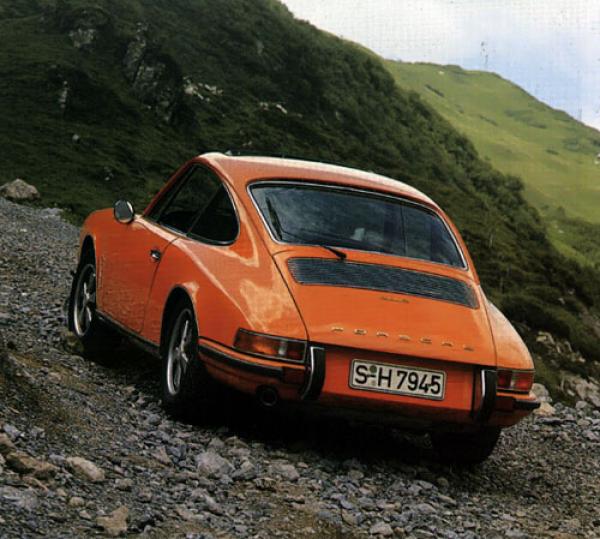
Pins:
<point x="102" y="99"/>
<point x="554" y="154"/>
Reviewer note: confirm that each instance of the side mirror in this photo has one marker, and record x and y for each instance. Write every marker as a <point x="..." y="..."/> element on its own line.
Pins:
<point x="124" y="212"/>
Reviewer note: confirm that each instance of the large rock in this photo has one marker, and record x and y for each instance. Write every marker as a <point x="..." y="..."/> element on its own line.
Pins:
<point x="545" y="409"/>
<point x="285" y="470"/>
<point x="85" y="469"/>
<point x="19" y="190"/>
<point x="114" y="524"/>
<point x="541" y="393"/>
<point x="24" y="464"/>
<point x="212" y="464"/>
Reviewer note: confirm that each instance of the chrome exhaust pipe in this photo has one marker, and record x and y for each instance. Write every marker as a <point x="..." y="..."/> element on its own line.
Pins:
<point x="268" y="396"/>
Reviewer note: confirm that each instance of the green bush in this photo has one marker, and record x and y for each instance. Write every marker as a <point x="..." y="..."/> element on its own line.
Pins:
<point x="522" y="307"/>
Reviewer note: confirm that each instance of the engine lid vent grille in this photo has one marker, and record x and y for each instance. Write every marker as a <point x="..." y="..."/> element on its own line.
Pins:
<point x="326" y="272"/>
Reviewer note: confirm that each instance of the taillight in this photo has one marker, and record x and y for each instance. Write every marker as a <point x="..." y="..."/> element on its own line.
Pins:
<point x="269" y="346"/>
<point x="520" y="381"/>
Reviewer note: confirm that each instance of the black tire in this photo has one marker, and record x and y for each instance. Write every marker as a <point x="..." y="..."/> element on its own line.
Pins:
<point x="190" y="392"/>
<point x="465" y="448"/>
<point x="97" y="339"/>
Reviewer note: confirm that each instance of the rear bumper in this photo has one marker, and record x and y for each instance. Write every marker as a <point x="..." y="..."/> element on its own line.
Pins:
<point x="526" y="405"/>
<point x="473" y="400"/>
<point x="244" y="365"/>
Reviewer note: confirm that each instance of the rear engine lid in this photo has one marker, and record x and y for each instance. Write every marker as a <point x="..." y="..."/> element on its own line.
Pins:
<point x="391" y="308"/>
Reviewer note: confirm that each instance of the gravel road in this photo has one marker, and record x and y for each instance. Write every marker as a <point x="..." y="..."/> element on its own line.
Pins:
<point x="86" y="450"/>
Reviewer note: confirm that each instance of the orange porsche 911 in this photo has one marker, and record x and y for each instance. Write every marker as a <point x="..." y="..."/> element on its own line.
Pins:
<point x="305" y="282"/>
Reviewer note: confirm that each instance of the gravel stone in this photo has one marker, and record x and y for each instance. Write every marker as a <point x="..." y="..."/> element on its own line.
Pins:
<point x="76" y="501"/>
<point x="381" y="528"/>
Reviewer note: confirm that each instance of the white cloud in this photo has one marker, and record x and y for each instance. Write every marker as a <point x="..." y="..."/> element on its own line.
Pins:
<point x="550" y="47"/>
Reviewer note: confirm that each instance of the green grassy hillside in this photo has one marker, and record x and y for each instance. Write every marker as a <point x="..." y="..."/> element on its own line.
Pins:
<point x="556" y="156"/>
<point x="101" y="99"/>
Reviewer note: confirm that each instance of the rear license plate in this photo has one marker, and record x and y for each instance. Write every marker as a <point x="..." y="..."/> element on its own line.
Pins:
<point x="397" y="379"/>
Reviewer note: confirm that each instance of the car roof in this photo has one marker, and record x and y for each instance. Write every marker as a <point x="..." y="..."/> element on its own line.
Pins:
<point x="241" y="170"/>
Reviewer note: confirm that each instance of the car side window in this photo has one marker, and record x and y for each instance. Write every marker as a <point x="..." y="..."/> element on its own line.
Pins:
<point x="218" y="222"/>
<point x="187" y="200"/>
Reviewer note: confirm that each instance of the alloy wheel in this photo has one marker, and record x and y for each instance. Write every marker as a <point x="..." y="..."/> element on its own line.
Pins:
<point x="85" y="300"/>
<point x="179" y="351"/>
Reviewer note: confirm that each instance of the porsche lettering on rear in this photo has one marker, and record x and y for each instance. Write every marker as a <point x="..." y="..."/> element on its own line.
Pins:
<point x="304" y="282"/>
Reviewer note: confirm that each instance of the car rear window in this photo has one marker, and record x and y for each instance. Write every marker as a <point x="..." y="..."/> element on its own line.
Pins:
<point x="336" y="217"/>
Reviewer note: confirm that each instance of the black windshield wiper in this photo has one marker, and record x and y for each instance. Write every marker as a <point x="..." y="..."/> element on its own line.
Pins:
<point x="340" y="254"/>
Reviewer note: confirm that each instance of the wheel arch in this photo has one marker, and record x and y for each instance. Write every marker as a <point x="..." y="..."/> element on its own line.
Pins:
<point x="177" y="293"/>
<point x="87" y="245"/>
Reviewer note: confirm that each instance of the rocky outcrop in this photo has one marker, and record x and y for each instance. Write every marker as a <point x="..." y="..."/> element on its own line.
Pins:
<point x="136" y="51"/>
<point x="560" y="346"/>
<point x="582" y="389"/>
<point x="266" y="106"/>
<point x="19" y="190"/>
<point x="63" y="96"/>
<point x="567" y="364"/>
<point x="84" y="26"/>
<point x="154" y="77"/>
<point x="83" y="37"/>
<point x="201" y="91"/>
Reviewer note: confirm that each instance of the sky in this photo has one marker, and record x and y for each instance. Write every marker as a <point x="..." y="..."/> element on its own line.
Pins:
<point x="551" y="48"/>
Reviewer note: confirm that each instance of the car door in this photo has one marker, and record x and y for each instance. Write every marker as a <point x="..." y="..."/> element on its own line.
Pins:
<point x="129" y="272"/>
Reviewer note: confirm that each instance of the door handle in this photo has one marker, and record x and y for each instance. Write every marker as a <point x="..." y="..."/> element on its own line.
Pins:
<point x="155" y="254"/>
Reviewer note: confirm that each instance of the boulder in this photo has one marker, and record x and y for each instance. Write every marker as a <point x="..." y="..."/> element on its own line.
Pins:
<point x="285" y="470"/>
<point x="19" y="190"/>
<point x="85" y="469"/>
<point x="114" y="524"/>
<point x="212" y="464"/>
<point x="545" y="409"/>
